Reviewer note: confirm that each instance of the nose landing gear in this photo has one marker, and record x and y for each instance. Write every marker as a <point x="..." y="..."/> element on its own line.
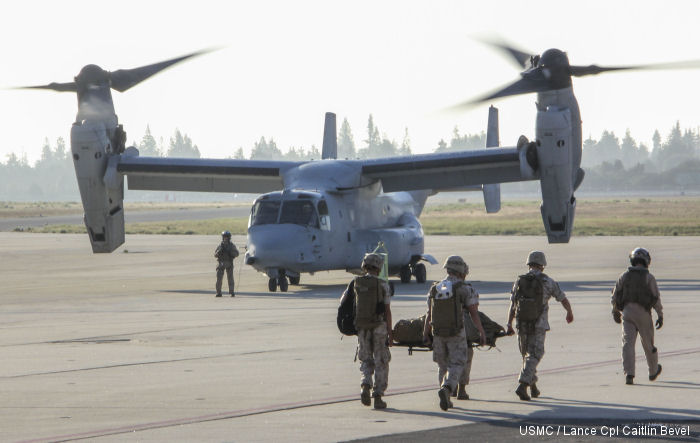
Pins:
<point x="418" y="270"/>
<point x="279" y="279"/>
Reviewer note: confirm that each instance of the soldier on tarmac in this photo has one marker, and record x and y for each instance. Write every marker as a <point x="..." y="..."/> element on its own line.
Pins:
<point x="225" y="253"/>
<point x="529" y="306"/>
<point x="634" y="295"/>
<point x="374" y="333"/>
<point x="447" y="302"/>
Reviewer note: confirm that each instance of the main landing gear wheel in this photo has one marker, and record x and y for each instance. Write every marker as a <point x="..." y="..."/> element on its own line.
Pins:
<point x="294" y="280"/>
<point x="272" y="285"/>
<point x="405" y="274"/>
<point x="283" y="283"/>
<point x="420" y="273"/>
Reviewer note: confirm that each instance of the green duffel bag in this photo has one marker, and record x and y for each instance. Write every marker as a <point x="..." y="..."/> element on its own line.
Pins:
<point x="492" y="330"/>
<point x="409" y="332"/>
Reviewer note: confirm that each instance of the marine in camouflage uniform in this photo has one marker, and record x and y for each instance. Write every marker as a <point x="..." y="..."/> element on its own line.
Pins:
<point x="633" y="297"/>
<point x="225" y="253"/>
<point x="450" y="352"/>
<point x="374" y="341"/>
<point x="531" y="335"/>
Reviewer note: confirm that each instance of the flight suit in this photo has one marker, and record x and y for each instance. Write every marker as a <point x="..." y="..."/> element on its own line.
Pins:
<point x="636" y="319"/>
<point x="226" y="252"/>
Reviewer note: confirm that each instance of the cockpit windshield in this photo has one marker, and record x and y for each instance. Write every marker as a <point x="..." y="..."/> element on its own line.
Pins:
<point x="299" y="212"/>
<point x="265" y="212"/>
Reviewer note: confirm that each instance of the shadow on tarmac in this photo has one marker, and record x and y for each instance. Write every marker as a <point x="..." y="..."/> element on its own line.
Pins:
<point x="506" y="426"/>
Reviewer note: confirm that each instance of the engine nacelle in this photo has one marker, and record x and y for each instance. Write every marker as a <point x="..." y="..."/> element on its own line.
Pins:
<point x="554" y="158"/>
<point x="95" y="156"/>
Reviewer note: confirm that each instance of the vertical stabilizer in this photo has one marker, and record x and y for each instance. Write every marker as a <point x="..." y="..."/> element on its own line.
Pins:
<point x="330" y="140"/>
<point x="492" y="192"/>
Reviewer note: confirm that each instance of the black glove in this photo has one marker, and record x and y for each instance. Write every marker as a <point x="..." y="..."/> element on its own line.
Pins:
<point x="617" y="317"/>
<point x="659" y="322"/>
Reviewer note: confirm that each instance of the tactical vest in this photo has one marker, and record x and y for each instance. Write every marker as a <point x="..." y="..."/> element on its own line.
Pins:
<point x="369" y="302"/>
<point x="226" y="252"/>
<point x="529" y="298"/>
<point x="446" y="312"/>
<point x="635" y="289"/>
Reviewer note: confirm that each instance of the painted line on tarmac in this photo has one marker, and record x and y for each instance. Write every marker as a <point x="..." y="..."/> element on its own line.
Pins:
<point x="306" y="404"/>
<point x="142" y="363"/>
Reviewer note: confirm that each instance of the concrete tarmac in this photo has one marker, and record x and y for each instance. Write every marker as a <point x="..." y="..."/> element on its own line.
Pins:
<point x="133" y="346"/>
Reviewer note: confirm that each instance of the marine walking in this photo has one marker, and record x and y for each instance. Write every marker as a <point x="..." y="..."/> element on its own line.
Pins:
<point x="444" y="327"/>
<point x="633" y="297"/>
<point x="529" y="306"/>
<point x="372" y="309"/>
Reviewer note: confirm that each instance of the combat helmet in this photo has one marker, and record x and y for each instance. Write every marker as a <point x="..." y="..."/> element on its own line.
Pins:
<point x="226" y="234"/>
<point x="372" y="260"/>
<point x="455" y="263"/>
<point x="640" y="254"/>
<point x="537" y="258"/>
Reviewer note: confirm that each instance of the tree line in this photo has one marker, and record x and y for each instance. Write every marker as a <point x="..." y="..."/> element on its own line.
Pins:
<point x="611" y="163"/>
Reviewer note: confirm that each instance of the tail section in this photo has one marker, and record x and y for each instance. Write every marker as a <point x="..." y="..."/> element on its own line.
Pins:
<point x="330" y="139"/>
<point x="492" y="192"/>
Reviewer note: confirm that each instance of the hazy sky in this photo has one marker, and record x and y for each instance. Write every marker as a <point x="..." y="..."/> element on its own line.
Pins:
<point x="285" y="63"/>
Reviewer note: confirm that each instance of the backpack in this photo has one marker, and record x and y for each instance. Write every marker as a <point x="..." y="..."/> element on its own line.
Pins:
<point x="409" y="332"/>
<point x="446" y="310"/>
<point x="369" y="302"/>
<point x="346" y="312"/>
<point x="529" y="296"/>
<point x="635" y="289"/>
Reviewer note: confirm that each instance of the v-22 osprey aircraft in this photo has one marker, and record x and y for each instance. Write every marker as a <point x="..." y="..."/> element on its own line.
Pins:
<point x="325" y="214"/>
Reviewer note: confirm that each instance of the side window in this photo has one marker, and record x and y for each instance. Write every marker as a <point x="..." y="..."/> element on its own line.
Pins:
<point x="325" y="219"/>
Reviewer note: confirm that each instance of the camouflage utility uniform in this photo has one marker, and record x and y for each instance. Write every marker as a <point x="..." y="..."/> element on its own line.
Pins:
<point x="451" y="353"/>
<point x="531" y="336"/>
<point x="374" y="352"/>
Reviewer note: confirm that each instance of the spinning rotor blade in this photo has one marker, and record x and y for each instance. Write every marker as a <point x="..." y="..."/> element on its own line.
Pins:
<point x="60" y="87"/>
<point x="580" y="71"/>
<point x="522" y="58"/>
<point x="533" y="82"/>
<point x="124" y="79"/>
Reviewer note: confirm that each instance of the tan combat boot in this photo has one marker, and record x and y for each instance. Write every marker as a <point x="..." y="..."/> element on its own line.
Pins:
<point x="378" y="402"/>
<point x="364" y="395"/>
<point x="444" y="394"/>
<point x="462" y="392"/>
<point x="521" y="392"/>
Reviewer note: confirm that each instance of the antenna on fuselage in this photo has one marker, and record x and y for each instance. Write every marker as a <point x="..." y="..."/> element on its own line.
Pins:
<point x="330" y="140"/>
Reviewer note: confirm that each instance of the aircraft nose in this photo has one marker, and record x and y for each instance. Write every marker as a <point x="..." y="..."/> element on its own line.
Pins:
<point x="285" y="246"/>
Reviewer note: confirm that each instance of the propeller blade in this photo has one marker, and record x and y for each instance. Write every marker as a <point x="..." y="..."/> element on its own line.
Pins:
<point x="580" y="71"/>
<point x="60" y="87"/>
<point x="524" y="85"/>
<point x="522" y="58"/>
<point x="124" y="79"/>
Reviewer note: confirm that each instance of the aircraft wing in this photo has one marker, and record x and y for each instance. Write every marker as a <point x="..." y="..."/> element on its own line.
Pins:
<point x="202" y="174"/>
<point x="446" y="170"/>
